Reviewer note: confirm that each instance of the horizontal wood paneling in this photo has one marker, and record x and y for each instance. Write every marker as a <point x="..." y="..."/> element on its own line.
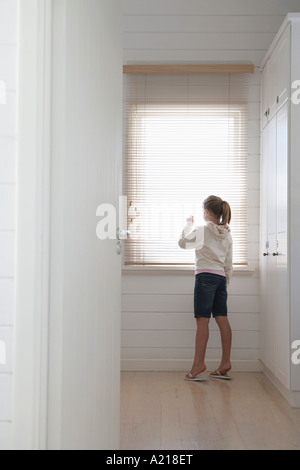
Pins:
<point x="201" y="23"/>
<point x="183" y="284"/>
<point x="158" y="325"/>
<point x="211" y="7"/>
<point x="201" y="31"/>
<point x="184" y="354"/>
<point x="184" y="339"/>
<point x="184" y="321"/>
<point x="183" y="303"/>
<point x="199" y="41"/>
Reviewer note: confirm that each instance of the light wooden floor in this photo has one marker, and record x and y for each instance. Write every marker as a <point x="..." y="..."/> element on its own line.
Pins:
<point x="160" y="411"/>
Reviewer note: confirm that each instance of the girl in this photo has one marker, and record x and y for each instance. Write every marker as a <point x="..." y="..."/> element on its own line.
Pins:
<point x="213" y="245"/>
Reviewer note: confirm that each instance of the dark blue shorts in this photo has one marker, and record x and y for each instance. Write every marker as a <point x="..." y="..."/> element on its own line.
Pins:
<point x="210" y="297"/>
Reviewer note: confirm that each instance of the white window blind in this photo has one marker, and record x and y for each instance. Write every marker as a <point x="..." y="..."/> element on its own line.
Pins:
<point x="186" y="138"/>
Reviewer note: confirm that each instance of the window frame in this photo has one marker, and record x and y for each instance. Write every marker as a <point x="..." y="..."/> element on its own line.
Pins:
<point x="234" y="108"/>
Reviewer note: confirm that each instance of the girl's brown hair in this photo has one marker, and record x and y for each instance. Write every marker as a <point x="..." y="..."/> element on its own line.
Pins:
<point x="219" y="208"/>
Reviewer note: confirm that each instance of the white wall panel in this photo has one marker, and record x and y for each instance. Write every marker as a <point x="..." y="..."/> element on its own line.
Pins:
<point x="84" y="345"/>
<point x="182" y="321"/>
<point x="8" y="65"/>
<point x="7" y="161"/>
<point x="176" y="355"/>
<point x="7" y="254"/>
<point x="6" y="397"/>
<point x="6" y="336"/>
<point x="191" y="56"/>
<point x="7" y="301"/>
<point x="182" y="303"/>
<point x="183" y="283"/>
<point x="184" y="339"/>
<point x="7" y="207"/>
<point x="8" y="158"/>
<point x="8" y="117"/>
<point x="198" y="41"/>
<point x="8" y="21"/>
<point x="5" y="436"/>
<point x="158" y="323"/>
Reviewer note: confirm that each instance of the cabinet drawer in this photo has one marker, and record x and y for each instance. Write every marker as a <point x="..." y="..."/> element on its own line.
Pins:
<point x="276" y="78"/>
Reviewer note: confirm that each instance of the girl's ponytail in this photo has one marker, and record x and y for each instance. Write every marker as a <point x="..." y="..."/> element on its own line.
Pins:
<point x="226" y="215"/>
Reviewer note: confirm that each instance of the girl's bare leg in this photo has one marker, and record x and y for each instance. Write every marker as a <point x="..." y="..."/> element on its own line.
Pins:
<point x="202" y="336"/>
<point x="226" y="338"/>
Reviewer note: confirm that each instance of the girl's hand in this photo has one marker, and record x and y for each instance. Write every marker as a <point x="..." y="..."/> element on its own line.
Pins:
<point x="190" y="220"/>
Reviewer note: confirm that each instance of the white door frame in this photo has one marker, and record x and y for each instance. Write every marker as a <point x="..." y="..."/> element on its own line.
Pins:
<point x="33" y="228"/>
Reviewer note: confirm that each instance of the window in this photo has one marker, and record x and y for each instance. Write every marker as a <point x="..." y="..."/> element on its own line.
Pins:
<point x="185" y="139"/>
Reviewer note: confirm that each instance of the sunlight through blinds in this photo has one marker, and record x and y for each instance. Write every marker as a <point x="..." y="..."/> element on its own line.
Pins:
<point x="186" y="138"/>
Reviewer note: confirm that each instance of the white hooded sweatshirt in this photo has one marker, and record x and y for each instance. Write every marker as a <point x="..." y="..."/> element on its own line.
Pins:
<point x="213" y="246"/>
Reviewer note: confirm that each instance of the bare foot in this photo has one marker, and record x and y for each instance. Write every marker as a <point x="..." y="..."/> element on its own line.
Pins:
<point x="224" y="368"/>
<point x="196" y="370"/>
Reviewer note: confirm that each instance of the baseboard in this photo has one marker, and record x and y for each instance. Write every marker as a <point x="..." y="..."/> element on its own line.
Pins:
<point x="292" y="397"/>
<point x="177" y="365"/>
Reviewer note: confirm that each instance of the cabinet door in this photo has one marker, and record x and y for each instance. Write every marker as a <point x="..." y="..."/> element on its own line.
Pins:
<point x="272" y="85"/>
<point x="265" y="91"/>
<point x="272" y="182"/>
<point x="283" y="68"/>
<point x="264" y="255"/>
<point x="276" y="78"/>
<point x="272" y="238"/>
<point x="268" y="232"/>
<point x="275" y="318"/>
<point x="282" y="297"/>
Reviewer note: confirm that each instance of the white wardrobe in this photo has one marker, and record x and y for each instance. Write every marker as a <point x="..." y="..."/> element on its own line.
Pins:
<point x="280" y="209"/>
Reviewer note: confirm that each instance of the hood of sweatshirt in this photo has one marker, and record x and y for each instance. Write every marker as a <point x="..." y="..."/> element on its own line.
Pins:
<point x="220" y="231"/>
